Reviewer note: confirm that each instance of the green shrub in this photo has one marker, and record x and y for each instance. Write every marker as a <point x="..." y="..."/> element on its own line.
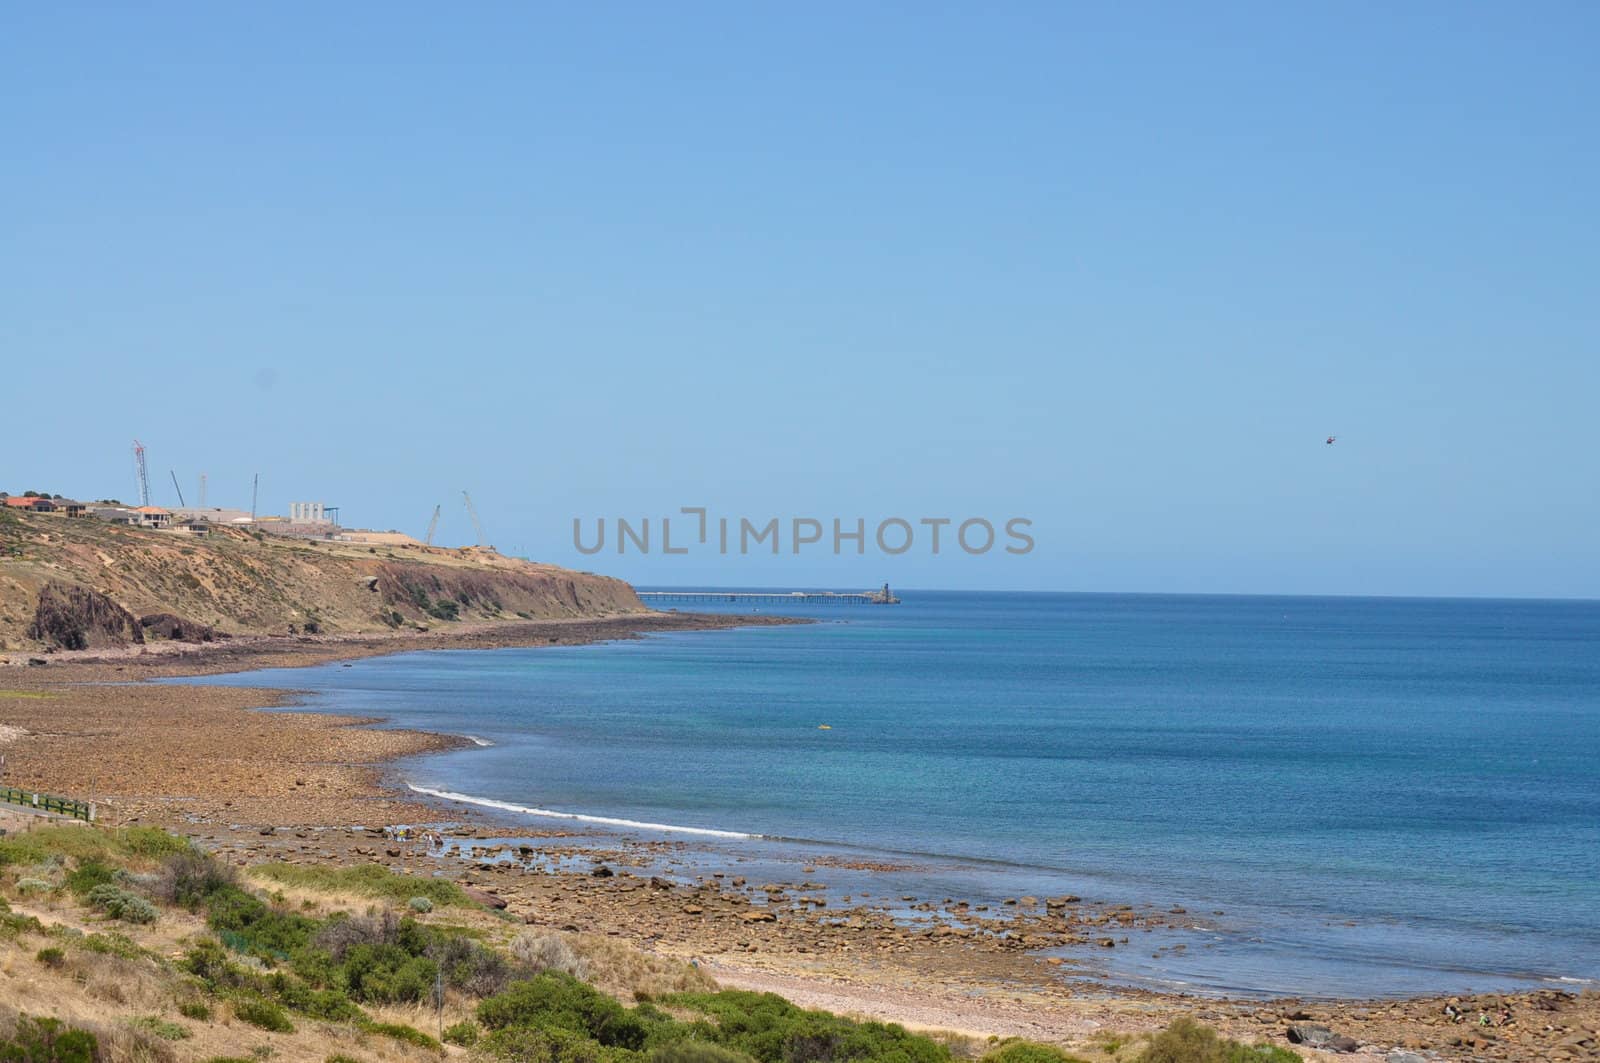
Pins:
<point x="89" y="875"/>
<point x="208" y="961"/>
<point x="697" y="1052"/>
<point x="165" y="1029"/>
<point x="13" y="925"/>
<point x="773" y="1030"/>
<point x="151" y="842"/>
<point x="262" y="1013"/>
<point x="559" y="1001"/>
<point x="48" y="1041"/>
<point x="1016" y="1050"/>
<point x="29" y="886"/>
<point x="464" y="1034"/>
<point x="1186" y="1041"/>
<point x="51" y="957"/>
<point x="328" y="1004"/>
<point x="195" y="1009"/>
<point x="113" y="944"/>
<point x="387" y="974"/>
<point x="401" y="1032"/>
<point x="420" y="905"/>
<point x="1261" y="1053"/>
<point x="118" y="903"/>
<point x="526" y="1044"/>
<point x="249" y="925"/>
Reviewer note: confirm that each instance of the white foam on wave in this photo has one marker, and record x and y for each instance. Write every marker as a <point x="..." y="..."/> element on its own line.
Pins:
<point x="608" y="821"/>
<point x="475" y="740"/>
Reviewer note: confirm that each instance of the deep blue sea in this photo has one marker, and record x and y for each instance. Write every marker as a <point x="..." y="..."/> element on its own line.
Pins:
<point x="1354" y="797"/>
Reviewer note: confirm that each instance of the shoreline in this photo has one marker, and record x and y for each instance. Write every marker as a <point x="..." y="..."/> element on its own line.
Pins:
<point x="290" y="785"/>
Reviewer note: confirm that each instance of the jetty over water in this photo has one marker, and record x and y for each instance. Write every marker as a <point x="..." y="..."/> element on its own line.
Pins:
<point x="882" y="596"/>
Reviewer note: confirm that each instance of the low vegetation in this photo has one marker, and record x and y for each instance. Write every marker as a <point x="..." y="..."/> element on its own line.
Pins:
<point x="232" y="967"/>
<point x="368" y="880"/>
<point x="1186" y="1041"/>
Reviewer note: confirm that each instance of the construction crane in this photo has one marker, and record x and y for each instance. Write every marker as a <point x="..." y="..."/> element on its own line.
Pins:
<point x="181" y="503"/>
<point x="472" y="512"/>
<point x="144" y="476"/>
<point x="255" y="483"/>
<point x="433" y="526"/>
<point x="202" y="490"/>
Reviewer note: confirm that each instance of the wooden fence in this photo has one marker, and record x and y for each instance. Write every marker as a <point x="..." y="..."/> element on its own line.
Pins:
<point x="64" y="806"/>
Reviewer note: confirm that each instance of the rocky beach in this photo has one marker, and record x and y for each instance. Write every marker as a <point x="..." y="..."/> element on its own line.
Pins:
<point x="310" y="788"/>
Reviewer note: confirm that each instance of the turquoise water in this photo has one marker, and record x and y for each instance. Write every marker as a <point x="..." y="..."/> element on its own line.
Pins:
<point x="1380" y="796"/>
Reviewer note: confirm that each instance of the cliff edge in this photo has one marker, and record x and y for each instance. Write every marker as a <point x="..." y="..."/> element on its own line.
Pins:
<point x="75" y="583"/>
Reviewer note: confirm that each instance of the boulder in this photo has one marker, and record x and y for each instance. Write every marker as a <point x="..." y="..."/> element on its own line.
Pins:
<point x="485" y="898"/>
<point x="1314" y="1036"/>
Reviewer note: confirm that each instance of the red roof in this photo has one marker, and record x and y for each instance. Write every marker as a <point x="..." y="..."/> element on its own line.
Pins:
<point x="22" y="502"/>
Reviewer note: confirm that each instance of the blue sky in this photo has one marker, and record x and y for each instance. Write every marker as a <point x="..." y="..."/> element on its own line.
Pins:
<point x="1117" y="269"/>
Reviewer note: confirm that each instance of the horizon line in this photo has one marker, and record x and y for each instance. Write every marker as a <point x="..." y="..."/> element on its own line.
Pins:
<point x="786" y="588"/>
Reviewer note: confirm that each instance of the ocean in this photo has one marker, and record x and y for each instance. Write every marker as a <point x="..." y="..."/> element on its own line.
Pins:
<point x="1356" y="797"/>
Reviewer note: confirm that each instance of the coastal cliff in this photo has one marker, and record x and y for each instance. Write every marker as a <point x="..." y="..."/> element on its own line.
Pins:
<point x="83" y="584"/>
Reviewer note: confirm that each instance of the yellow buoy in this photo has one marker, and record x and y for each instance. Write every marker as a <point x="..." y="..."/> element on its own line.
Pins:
<point x="823" y="727"/>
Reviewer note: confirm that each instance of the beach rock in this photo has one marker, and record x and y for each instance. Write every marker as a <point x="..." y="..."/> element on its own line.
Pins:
<point x="1400" y="1055"/>
<point x="760" y="916"/>
<point x="178" y="629"/>
<point x="483" y="897"/>
<point x="1111" y="943"/>
<point x="602" y="872"/>
<point x="1314" y="1036"/>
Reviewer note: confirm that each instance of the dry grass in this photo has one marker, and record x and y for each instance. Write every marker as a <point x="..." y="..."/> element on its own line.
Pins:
<point x="629" y="973"/>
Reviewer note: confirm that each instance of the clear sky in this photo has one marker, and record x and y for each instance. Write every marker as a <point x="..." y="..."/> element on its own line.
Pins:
<point x="1119" y="269"/>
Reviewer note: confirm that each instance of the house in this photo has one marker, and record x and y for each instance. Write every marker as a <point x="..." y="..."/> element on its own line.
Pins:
<point x="75" y="509"/>
<point x="115" y="514"/>
<point x="31" y="503"/>
<point x="192" y="527"/>
<point x="153" y="516"/>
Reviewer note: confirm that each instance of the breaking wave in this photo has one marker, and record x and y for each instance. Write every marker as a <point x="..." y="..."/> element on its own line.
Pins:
<point x="608" y="821"/>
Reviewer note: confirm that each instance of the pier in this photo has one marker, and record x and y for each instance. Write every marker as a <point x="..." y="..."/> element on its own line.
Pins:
<point x="882" y="596"/>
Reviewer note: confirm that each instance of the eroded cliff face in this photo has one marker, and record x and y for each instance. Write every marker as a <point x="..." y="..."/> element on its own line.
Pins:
<point x="80" y="583"/>
<point x="70" y="617"/>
